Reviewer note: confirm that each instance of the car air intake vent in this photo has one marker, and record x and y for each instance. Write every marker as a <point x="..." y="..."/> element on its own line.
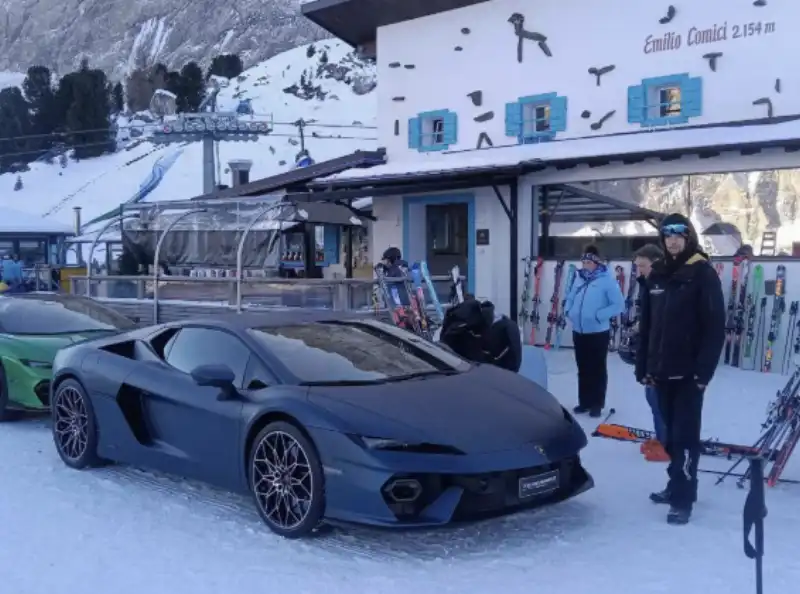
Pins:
<point x="423" y="448"/>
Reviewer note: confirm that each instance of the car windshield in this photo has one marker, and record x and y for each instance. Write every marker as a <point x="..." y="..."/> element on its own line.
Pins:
<point x="358" y="352"/>
<point x="52" y="317"/>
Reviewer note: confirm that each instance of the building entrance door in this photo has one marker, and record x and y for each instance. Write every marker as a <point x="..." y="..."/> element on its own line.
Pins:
<point x="447" y="239"/>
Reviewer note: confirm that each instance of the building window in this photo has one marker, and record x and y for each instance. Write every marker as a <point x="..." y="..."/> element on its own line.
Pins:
<point x="665" y="101"/>
<point x="433" y="131"/>
<point x="537" y="118"/>
<point x="668" y="102"/>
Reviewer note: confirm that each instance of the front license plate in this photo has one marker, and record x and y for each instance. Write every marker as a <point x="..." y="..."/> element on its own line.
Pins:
<point x="539" y="484"/>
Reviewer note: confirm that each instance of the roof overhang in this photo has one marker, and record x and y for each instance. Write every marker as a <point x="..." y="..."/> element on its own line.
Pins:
<point x="356" y="21"/>
<point x="573" y="204"/>
<point x="297" y="178"/>
<point x="413" y="183"/>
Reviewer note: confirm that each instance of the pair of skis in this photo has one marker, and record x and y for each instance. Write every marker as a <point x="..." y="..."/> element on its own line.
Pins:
<point x="708" y="447"/>
<point x="413" y="316"/>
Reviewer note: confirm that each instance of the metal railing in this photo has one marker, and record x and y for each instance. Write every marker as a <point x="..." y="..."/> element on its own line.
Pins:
<point x="239" y="293"/>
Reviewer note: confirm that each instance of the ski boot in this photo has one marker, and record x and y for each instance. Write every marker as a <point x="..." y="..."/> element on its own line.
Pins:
<point x="660" y="497"/>
<point x="678" y="516"/>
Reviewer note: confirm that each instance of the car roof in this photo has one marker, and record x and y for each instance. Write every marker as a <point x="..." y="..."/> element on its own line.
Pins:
<point x="272" y="319"/>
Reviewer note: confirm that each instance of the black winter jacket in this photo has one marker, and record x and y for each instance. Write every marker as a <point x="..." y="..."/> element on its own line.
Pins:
<point x="682" y="323"/>
<point x="474" y="331"/>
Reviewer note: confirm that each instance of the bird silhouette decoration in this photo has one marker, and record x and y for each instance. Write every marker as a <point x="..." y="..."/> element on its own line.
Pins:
<point x="598" y="72"/>
<point x="518" y="21"/>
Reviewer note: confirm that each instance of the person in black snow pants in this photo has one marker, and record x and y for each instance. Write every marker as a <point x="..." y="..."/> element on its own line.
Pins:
<point x="595" y="298"/>
<point x="682" y="333"/>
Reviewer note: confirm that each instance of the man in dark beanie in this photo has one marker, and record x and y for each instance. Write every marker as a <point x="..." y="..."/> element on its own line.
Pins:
<point x="682" y="333"/>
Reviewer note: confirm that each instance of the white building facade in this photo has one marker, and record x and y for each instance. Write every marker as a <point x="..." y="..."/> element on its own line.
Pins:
<point x="554" y="92"/>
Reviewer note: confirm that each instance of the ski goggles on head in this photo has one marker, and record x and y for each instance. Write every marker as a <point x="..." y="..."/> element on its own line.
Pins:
<point x="675" y="229"/>
<point x="591" y="258"/>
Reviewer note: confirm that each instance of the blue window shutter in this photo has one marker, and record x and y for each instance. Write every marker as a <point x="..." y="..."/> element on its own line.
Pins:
<point x="450" y="128"/>
<point x="692" y="97"/>
<point x="514" y="119"/>
<point x="414" y="133"/>
<point x="558" y="114"/>
<point x="637" y="104"/>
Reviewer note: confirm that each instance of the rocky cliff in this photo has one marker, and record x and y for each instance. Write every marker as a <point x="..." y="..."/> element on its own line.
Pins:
<point x="118" y="34"/>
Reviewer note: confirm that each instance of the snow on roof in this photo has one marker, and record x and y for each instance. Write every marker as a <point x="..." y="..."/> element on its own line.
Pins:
<point x="12" y="221"/>
<point x="621" y="144"/>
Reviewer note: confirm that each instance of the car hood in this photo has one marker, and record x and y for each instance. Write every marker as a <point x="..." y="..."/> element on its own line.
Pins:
<point x="483" y="410"/>
<point x="40" y="347"/>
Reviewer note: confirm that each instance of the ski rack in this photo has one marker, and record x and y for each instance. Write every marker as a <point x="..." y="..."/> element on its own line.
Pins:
<point x="779" y="437"/>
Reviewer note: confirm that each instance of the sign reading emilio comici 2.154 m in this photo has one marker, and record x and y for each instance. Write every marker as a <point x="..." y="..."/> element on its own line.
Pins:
<point x="715" y="33"/>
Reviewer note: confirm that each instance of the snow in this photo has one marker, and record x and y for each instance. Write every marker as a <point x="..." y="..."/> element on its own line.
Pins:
<point x="129" y="531"/>
<point x="22" y="222"/>
<point x="11" y="79"/>
<point x="619" y="144"/>
<point x="101" y="184"/>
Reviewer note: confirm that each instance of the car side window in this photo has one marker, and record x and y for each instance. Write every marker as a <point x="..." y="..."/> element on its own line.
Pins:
<point x="257" y="376"/>
<point x="192" y="347"/>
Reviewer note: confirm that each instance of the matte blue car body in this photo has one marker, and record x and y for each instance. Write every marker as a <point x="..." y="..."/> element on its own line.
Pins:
<point x="513" y="426"/>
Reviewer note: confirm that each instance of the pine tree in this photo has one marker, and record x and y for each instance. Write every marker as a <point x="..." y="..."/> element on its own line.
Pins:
<point x="225" y="65"/>
<point x="40" y="95"/>
<point x="15" y="123"/>
<point x="88" y="113"/>
<point x="117" y="98"/>
<point x="18" y="184"/>
<point x="310" y="51"/>
<point x="194" y="89"/>
<point x="138" y="90"/>
<point x="323" y="59"/>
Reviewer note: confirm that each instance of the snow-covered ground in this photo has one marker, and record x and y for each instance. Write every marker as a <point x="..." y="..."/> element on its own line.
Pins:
<point x="10" y="79"/>
<point x="125" y="531"/>
<point x="341" y="123"/>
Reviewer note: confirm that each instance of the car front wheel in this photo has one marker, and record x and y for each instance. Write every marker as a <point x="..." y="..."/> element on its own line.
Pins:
<point x="286" y="480"/>
<point x="74" y="426"/>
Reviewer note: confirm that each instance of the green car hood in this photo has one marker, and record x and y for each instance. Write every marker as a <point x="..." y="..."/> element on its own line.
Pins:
<point x="37" y="347"/>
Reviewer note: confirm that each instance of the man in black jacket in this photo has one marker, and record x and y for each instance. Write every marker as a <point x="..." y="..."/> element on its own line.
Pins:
<point x="682" y="333"/>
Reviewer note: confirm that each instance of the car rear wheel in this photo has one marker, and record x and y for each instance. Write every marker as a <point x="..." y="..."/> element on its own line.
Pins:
<point x="286" y="480"/>
<point x="74" y="426"/>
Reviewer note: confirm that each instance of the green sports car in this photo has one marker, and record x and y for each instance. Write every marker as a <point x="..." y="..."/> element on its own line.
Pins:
<point x="33" y="327"/>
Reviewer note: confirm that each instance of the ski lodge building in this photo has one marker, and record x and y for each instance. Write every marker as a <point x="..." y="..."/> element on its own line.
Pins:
<point x="496" y="116"/>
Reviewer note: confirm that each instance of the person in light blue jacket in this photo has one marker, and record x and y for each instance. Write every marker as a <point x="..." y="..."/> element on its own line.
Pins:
<point x="595" y="298"/>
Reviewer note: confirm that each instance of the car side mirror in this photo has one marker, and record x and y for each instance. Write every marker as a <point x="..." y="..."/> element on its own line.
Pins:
<point x="216" y="376"/>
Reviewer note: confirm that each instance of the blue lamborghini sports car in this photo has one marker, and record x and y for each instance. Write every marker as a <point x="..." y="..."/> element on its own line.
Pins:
<point x="322" y="418"/>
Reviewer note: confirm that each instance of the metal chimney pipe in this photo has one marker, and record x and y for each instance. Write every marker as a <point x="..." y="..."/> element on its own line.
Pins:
<point x="240" y="171"/>
<point x="77" y="219"/>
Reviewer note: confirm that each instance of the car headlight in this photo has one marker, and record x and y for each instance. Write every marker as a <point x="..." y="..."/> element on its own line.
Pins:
<point x="396" y="445"/>
<point x="36" y="364"/>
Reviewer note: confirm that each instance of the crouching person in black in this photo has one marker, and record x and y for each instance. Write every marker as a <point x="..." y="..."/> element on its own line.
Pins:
<point x="476" y="332"/>
<point x="682" y="332"/>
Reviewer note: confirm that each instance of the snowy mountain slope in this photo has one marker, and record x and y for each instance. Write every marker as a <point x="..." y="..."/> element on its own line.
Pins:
<point x="116" y="35"/>
<point x="101" y="184"/>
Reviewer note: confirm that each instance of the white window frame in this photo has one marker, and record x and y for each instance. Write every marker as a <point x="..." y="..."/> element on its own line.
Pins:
<point x="535" y="119"/>
<point x="656" y="108"/>
<point x="432" y="131"/>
